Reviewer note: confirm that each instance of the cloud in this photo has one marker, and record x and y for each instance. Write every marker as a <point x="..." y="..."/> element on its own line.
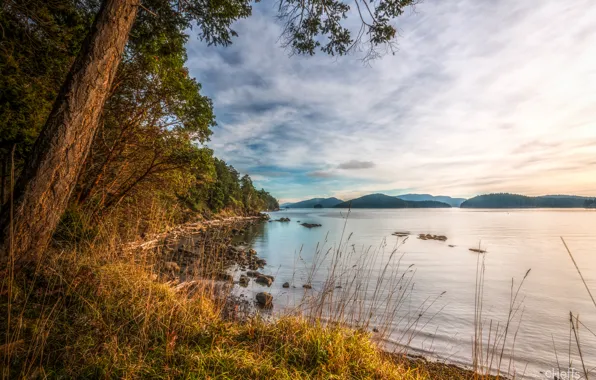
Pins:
<point x="481" y="96"/>
<point x="354" y="164"/>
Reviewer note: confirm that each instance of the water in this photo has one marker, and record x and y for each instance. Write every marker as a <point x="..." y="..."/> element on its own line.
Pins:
<point x="515" y="241"/>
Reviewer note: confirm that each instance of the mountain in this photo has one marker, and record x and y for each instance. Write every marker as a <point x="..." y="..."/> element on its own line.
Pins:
<point x="311" y="203"/>
<point x="453" y="202"/>
<point x="386" y="201"/>
<point x="506" y="200"/>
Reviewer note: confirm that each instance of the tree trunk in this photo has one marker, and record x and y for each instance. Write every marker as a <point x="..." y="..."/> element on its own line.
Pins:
<point x="3" y="181"/>
<point x="42" y="191"/>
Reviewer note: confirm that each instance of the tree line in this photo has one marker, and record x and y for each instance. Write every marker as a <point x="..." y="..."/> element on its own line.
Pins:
<point x="507" y="200"/>
<point x="150" y="142"/>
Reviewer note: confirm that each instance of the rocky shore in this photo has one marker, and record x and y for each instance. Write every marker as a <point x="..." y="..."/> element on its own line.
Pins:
<point x="213" y="253"/>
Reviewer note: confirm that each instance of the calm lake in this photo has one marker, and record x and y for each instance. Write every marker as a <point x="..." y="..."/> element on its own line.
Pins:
<point x="515" y="241"/>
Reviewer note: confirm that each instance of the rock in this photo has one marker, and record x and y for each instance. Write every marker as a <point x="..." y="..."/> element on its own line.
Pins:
<point x="432" y="237"/>
<point x="261" y="263"/>
<point x="477" y="250"/>
<point x="375" y="330"/>
<point x="264" y="280"/>
<point x="244" y="280"/>
<point x="286" y="285"/>
<point x="283" y="220"/>
<point x="171" y="266"/>
<point x="451" y="246"/>
<point x="401" y="234"/>
<point x="265" y="299"/>
<point x="252" y="273"/>
<point x="310" y="225"/>
<point x="307" y="286"/>
<point x="252" y="252"/>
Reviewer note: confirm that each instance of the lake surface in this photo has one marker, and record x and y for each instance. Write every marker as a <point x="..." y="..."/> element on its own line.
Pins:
<point x="442" y="326"/>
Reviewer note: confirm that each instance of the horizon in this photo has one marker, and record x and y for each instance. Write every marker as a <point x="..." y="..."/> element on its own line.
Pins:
<point x="465" y="107"/>
<point x="433" y="195"/>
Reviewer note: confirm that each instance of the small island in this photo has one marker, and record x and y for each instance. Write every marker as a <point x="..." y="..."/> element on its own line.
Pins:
<point x="386" y="201"/>
<point x="507" y="200"/>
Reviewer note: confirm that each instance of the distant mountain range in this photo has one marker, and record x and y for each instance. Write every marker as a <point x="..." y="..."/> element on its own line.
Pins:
<point x="453" y="202"/>
<point x="501" y="200"/>
<point x="506" y="200"/>
<point x="311" y="203"/>
<point x="386" y="201"/>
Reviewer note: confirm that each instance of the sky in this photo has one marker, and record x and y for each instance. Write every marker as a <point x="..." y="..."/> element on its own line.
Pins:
<point x="481" y="96"/>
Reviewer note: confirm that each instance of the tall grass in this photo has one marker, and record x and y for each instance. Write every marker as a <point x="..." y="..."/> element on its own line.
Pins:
<point x="95" y="310"/>
<point x="367" y="289"/>
<point x="574" y="321"/>
<point x="492" y="338"/>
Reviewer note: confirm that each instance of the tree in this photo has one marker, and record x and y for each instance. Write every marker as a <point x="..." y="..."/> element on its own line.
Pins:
<point x="44" y="187"/>
<point x="40" y="40"/>
<point x="42" y="192"/>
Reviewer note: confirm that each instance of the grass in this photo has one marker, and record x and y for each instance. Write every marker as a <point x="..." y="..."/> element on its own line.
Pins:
<point x="80" y="319"/>
<point x="87" y="312"/>
<point x="95" y="310"/>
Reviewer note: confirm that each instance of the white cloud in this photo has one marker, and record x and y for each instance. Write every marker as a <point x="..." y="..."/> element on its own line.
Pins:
<point x="482" y="96"/>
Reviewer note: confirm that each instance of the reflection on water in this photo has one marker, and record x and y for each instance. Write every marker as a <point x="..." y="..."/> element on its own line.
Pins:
<point x="516" y="240"/>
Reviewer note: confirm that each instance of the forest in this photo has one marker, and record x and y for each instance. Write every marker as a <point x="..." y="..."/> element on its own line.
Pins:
<point x="151" y="144"/>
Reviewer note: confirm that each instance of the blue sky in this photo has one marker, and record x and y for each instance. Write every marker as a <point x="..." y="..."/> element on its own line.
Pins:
<point x="482" y="96"/>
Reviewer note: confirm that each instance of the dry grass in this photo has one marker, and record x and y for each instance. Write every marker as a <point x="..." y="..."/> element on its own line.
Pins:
<point x="79" y="318"/>
<point x="92" y="310"/>
<point x="89" y="311"/>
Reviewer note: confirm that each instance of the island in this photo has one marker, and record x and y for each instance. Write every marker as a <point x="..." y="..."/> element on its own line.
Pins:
<point x="508" y="200"/>
<point x="386" y="201"/>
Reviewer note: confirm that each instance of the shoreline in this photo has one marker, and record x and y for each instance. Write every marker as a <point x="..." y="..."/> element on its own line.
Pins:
<point x="249" y="307"/>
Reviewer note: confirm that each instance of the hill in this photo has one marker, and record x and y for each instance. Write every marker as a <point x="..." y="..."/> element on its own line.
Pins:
<point x="453" y="202"/>
<point x="386" y="201"/>
<point x="311" y="203"/>
<point x="507" y="200"/>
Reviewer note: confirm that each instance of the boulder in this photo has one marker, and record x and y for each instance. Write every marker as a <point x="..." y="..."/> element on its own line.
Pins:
<point x="264" y="280"/>
<point x="253" y="273"/>
<point x="286" y="285"/>
<point x="307" y="286"/>
<point x="310" y="225"/>
<point x="244" y="280"/>
<point x="432" y="237"/>
<point x="252" y="252"/>
<point x="265" y="299"/>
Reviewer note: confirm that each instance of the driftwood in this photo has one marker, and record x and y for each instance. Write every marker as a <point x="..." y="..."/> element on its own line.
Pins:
<point x="168" y="237"/>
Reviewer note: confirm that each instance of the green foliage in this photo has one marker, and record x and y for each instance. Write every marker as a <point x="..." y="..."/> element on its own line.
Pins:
<point x="322" y="25"/>
<point x="39" y="41"/>
<point x="150" y="143"/>
<point x="74" y="227"/>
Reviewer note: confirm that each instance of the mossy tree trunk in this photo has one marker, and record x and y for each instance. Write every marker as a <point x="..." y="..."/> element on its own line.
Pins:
<point x="43" y="189"/>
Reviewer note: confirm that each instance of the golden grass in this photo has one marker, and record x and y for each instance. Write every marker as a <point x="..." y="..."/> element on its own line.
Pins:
<point x="82" y="318"/>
